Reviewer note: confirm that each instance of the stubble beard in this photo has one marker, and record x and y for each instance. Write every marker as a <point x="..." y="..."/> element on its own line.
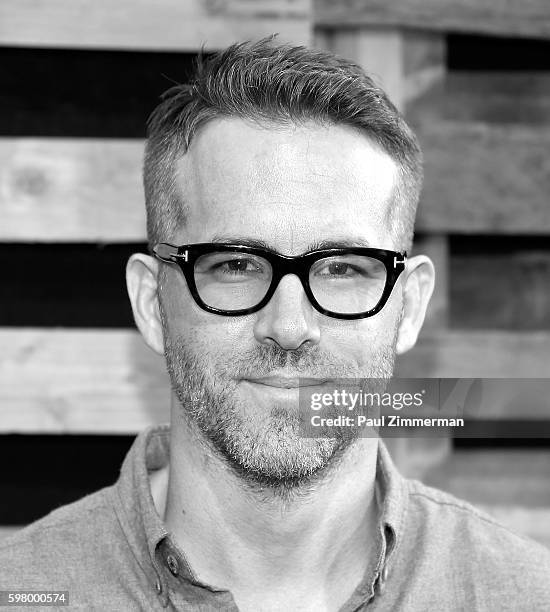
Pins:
<point x="266" y="451"/>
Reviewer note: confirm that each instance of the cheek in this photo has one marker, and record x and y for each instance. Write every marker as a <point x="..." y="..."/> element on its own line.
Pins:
<point x="357" y="345"/>
<point x="186" y="320"/>
<point x="210" y="338"/>
<point x="361" y="341"/>
<point x="173" y="293"/>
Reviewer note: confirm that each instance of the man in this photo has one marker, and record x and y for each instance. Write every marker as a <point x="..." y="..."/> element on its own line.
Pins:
<point x="281" y="188"/>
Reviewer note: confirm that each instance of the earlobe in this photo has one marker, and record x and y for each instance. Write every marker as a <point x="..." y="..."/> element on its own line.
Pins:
<point x="417" y="292"/>
<point x="141" y="282"/>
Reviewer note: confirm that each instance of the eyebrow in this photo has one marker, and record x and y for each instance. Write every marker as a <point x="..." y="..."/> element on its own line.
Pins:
<point x="314" y="246"/>
<point x="249" y="242"/>
<point x="339" y="244"/>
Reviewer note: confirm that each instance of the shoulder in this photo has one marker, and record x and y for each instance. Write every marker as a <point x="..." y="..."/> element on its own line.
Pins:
<point x="60" y="545"/>
<point x="471" y="541"/>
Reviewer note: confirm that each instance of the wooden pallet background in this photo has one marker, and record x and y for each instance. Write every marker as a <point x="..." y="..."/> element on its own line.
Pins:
<point x="79" y="80"/>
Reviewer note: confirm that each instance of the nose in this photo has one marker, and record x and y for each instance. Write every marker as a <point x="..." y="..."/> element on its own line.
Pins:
<point x="289" y="319"/>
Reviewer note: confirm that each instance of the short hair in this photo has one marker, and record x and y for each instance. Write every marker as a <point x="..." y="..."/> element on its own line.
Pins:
<point x="269" y="82"/>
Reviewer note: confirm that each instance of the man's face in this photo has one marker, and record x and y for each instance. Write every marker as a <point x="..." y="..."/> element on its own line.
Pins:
<point x="290" y="187"/>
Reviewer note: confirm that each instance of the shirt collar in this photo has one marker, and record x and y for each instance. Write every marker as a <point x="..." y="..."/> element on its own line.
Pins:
<point x="146" y="532"/>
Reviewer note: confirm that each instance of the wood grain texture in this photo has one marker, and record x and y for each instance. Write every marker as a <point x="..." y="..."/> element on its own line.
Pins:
<point x="379" y="53"/>
<point x="510" y="17"/>
<point x="499" y="98"/>
<point x="486" y="155"/>
<point x="507" y="291"/>
<point x="491" y="180"/>
<point x="521" y="359"/>
<point x="71" y="190"/>
<point x="80" y="381"/>
<point x="476" y="354"/>
<point x="405" y="64"/>
<point x="148" y="24"/>
<point x="423" y="50"/>
<point x="110" y="382"/>
<point x="424" y="62"/>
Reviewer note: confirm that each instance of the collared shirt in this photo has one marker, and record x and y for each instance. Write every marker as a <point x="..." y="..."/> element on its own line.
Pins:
<point x="111" y="551"/>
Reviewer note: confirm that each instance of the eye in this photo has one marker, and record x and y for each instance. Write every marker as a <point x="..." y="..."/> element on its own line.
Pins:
<point x="232" y="267"/>
<point x="339" y="269"/>
<point x="349" y="267"/>
<point x="238" y="266"/>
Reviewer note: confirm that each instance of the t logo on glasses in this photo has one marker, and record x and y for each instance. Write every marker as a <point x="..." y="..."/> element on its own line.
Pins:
<point x="234" y="280"/>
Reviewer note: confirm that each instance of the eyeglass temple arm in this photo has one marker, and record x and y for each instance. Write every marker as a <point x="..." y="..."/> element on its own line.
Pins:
<point x="169" y="252"/>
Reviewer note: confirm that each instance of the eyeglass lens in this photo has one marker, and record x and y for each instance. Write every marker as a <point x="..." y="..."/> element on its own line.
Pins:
<point x="342" y="284"/>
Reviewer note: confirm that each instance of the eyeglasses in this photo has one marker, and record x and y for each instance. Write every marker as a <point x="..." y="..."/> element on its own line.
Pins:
<point x="234" y="280"/>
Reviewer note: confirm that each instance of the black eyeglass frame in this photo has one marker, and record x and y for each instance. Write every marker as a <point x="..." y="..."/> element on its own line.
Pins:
<point x="186" y="255"/>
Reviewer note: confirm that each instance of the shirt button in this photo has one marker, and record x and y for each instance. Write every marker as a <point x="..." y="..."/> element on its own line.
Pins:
<point x="172" y="564"/>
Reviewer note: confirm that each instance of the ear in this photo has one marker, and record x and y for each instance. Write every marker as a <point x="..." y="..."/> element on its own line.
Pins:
<point x="417" y="291"/>
<point x="141" y="281"/>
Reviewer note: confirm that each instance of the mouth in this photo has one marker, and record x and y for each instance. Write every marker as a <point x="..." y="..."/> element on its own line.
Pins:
<point x="290" y="393"/>
<point x="285" y="382"/>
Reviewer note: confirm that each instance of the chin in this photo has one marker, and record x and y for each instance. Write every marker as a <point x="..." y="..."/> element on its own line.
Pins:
<point x="272" y="455"/>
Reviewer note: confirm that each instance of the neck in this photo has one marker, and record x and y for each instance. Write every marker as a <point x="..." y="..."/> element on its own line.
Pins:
<point x="234" y="535"/>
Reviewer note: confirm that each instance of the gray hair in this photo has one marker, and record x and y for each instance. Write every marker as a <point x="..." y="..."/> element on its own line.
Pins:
<point x="268" y="82"/>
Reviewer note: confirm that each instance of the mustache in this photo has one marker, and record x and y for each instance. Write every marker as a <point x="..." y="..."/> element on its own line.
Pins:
<point x="262" y="360"/>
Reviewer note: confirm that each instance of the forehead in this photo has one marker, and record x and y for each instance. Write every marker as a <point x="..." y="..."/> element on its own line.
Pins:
<point x="289" y="186"/>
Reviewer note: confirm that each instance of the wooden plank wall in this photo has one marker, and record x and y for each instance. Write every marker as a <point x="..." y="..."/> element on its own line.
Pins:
<point x="145" y="24"/>
<point x="70" y="195"/>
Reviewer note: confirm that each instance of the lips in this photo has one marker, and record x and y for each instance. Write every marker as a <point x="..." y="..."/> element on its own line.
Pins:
<point x="284" y="382"/>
